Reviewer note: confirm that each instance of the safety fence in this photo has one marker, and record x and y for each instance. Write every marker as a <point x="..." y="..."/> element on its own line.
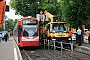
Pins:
<point x="53" y="43"/>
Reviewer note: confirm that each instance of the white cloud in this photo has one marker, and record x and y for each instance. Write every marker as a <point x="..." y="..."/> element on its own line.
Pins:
<point x="11" y="13"/>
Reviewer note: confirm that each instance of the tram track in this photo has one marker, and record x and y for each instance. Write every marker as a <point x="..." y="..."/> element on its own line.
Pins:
<point x="54" y="55"/>
<point x="38" y="55"/>
<point x="76" y="55"/>
<point x="29" y="58"/>
<point x="45" y="54"/>
<point x="49" y="55"/>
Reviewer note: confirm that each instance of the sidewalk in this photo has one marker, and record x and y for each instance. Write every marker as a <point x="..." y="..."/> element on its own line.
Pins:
<point x="7" y="50"/>
<point x="84" y="44"/>
<point x="85" y="48"/>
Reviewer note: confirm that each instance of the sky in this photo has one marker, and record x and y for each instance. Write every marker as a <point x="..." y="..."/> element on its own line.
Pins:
<point x="11" y="13"/>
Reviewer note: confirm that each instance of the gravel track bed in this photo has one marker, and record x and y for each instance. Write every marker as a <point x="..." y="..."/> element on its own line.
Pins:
<point x="41" y="54"/>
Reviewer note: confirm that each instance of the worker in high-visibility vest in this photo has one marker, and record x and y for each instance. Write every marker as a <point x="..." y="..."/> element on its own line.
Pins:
<point x="8" y="34"/>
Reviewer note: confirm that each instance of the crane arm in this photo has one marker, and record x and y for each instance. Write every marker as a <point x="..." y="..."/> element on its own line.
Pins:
<point x="50" y="16"/>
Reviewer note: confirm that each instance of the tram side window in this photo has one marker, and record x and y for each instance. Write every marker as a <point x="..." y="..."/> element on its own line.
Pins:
<point x="25" y="33"/>
<point x="19" y="31"/>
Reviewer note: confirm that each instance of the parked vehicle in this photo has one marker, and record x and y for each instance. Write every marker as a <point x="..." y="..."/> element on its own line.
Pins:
<point x="53" y="29"/>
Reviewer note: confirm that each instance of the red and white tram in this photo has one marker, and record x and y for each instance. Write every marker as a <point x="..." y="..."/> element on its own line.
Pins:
<point x="28" y="32"/>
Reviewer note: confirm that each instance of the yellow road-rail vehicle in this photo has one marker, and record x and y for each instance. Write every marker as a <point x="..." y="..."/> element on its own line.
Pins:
<point x="53" y="29"/>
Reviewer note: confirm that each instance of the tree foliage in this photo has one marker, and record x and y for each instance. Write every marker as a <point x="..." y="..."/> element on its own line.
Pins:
<point x="77" y="12"/>
<point x="33" y="7"/>
<point x="9" y="24"/>
<point x="74" y="12"/>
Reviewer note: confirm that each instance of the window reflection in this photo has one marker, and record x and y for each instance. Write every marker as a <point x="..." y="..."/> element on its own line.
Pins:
<point x="58" y="28"/>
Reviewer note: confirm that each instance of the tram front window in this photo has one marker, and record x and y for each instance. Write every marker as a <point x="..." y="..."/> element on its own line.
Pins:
<point x="25" y="33"/>
<point x="30" y="30"/>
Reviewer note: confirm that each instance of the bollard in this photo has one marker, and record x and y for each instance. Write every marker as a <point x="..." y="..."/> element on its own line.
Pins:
<point x="48" y="44"/>
<point x="61" y="49"/>
<point x="44" y="43"/>
<point x="72" y="47"/>
<point x="72" y="50"/>
<point x="54" y="43"/>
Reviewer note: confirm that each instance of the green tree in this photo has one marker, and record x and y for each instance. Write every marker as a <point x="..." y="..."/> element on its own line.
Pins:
<point x="74" y="12"/>
<point x="33" y="7"/>
<point x="10" y="23"/>
<point x="25" y="7"/>
<point x="77" y="12"/>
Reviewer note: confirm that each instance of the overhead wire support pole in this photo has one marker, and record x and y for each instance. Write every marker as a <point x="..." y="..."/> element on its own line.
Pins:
<point x="4" y="24"/>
